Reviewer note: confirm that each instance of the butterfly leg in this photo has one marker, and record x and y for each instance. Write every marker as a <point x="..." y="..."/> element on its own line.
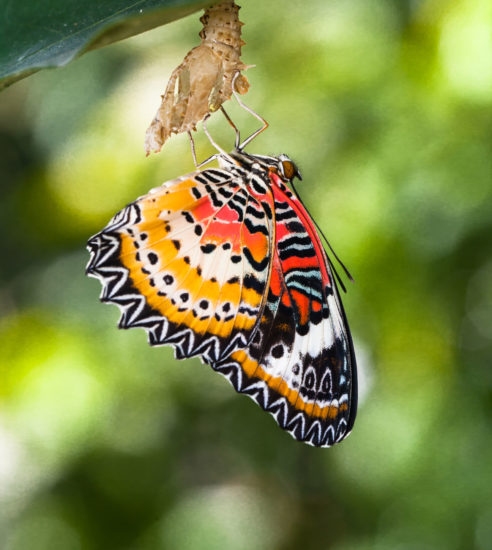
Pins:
<point x="209" y="159"/>
<point x="193" y="154"/>
<point x="192" y="145"/>
<point x="216" y="145"/>
<point x="228" y="118"/>
<point x="256" y="115"/>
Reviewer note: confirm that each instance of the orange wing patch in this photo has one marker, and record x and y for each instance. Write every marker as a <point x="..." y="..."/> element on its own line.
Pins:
<point x="278" y="384"/>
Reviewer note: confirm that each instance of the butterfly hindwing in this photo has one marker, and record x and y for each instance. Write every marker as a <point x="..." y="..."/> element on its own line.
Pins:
<point x="300" y="363"/>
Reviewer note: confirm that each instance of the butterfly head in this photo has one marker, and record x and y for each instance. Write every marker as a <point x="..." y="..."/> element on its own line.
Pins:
<point x="282" y="165"/>
<point x="287" y="168"/>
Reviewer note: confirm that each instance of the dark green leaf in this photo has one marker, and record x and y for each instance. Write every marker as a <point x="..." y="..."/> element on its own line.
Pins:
<point x="50" y="33"/>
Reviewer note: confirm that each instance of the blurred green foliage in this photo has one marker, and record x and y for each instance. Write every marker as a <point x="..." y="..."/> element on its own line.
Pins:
<point x="107" y="443"/>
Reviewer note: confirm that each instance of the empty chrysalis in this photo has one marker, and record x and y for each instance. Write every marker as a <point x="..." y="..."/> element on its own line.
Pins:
<point x="201" y="84"/>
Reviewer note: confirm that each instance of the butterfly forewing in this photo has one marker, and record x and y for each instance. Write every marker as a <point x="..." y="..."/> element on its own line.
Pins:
<point x="187" y="263"/>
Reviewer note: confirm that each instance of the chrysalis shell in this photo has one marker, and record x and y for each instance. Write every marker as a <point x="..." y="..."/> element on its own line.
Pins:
<point x="203" y="81"/>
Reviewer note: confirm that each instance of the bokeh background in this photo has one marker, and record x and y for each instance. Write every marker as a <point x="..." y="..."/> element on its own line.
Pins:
<point x="108" y="444"/>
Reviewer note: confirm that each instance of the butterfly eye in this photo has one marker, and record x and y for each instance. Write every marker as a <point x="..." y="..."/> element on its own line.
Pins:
<point x="288" y="169"/>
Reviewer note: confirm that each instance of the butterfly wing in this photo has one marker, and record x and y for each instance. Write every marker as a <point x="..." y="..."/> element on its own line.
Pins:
<point x="189" y="262"/>
<point x="300" y="366"/>
<point x="229" y="267"/>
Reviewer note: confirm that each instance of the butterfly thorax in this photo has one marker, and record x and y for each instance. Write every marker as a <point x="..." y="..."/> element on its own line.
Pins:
<point x="261" y="165"/>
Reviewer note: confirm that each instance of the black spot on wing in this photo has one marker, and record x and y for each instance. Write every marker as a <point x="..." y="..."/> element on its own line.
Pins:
<point x="295" y="227"/>
<point x="208" y="248"/>
<point x="250" y="281"/>
<point x="251" y="211"/>
<point x="252" y="228"/>
<point x="260" y="266"/>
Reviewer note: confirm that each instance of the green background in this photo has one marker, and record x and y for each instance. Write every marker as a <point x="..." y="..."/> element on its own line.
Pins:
<point x="108" y="444"/>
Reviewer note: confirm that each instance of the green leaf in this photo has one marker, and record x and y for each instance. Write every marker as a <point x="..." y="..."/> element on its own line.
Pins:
<point x="50" y="33"/>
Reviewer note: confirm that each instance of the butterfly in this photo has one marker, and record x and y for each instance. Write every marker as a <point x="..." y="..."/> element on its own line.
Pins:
<point x="226" y="264"/>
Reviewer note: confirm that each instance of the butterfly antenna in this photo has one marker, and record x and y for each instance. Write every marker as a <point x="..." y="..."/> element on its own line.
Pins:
<point x="347" y="272"/>
<point x="250" y="110"/>
<point x="337" y="276"/>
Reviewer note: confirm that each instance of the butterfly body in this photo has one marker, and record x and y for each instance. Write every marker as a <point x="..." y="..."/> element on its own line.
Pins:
<point x="226" y="264"/>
